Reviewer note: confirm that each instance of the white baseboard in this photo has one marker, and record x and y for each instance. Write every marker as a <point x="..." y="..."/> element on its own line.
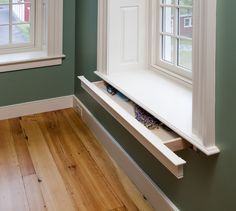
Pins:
<point x="143" y="182"/>
<point x="40" y="106"/>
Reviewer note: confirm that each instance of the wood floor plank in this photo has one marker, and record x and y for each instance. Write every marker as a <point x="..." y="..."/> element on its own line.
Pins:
<point x="87" y="184"/>
<point x="119" y="209"/>
<point x="52" y="162"/>
<point x="12" y="193"/>
<point x="33" y="193"/>
<point x="122" y="186"/>
<point x="53" y="188"/>
<point x="20" y="143"/>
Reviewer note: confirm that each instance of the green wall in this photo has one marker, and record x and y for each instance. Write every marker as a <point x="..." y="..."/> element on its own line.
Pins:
<point x="209" y="182"/>
<point x="42" y="83"/>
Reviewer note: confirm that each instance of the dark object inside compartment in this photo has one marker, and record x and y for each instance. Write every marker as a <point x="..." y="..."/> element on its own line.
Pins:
<point x="145" y="118"/>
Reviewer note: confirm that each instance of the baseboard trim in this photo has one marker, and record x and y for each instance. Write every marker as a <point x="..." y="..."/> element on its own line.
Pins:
<point x="40" y="106"/>
<point x="143" y="182"/>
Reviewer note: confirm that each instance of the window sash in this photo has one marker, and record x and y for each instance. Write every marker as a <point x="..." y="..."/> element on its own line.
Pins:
<point x="24" y="46"/>
<point x="156" y="41"/>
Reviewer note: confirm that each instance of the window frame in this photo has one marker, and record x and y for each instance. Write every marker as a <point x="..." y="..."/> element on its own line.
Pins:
<point x="48" y="44"/>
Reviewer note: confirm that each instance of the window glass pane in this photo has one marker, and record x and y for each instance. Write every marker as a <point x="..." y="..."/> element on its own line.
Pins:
<point x="4" y="38"/>
<point x="185" y="54"/>
<point x="21" y="13"/>
<point x="176" y="33"/>
<point x="168" y="19"/>
<point x="21" y="33"/>
<point x="185" y="22"/>
<point x="168" y="1"/>
<point x="18" y="25"/>
<point x="4" y="1"/>
<point x="186" y="2"/>
<point x="168" y="48"/>
<point x="19" y="1"/>
<point x="4" y="14"/>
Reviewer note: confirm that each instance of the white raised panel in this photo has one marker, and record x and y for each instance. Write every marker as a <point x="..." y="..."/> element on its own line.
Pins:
<point x="130" y="34"/>
<point x="126" y="35"/>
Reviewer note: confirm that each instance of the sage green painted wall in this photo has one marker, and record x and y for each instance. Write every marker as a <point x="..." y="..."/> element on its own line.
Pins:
<point x="209" y="182"/>
<point x="42" y="83"/>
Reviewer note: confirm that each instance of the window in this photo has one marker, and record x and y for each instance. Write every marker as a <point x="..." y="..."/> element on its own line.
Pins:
<point x="31" y="31"/>
<point x="173" y="39"/>
<point x="187" y="22"/>
<point x="141" y="42"/>
<point x="16" y="23"/>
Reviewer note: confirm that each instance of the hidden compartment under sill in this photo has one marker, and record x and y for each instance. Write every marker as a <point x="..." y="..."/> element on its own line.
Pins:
<point x="161" y="142"/>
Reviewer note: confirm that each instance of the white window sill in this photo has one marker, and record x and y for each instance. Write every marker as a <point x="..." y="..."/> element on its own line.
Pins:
<point x="168" y="100"/>
<point x="20" y="61"/>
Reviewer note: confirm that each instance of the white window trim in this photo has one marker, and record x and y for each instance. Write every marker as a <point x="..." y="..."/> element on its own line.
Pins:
<point x="204" y="65"/>
<point x="48" y="49"/>
<point x="203" y="79"/>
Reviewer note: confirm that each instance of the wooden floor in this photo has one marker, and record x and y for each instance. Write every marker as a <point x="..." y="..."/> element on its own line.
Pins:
<point x="51" y="161"/>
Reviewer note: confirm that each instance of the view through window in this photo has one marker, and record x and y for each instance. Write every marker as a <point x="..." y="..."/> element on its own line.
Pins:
<point x="16" y="25"/>
<point x="176" y="33"/>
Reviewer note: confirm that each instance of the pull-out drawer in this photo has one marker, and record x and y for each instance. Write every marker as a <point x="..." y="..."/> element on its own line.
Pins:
<point x="160" y="142"/>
